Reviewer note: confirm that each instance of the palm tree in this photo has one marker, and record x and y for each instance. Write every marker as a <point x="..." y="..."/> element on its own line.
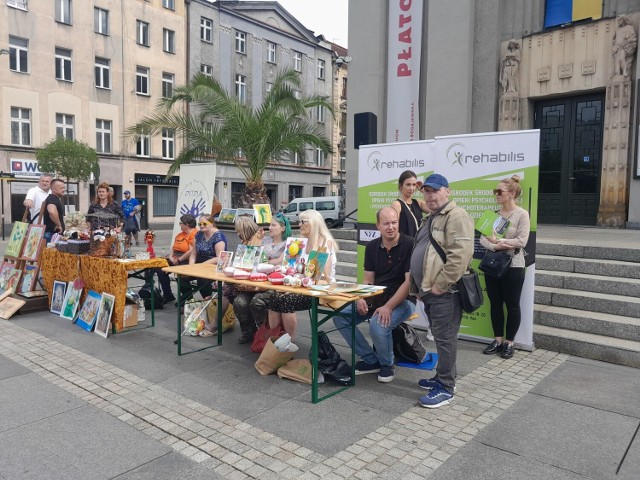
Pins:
<point x="216" y="124"/>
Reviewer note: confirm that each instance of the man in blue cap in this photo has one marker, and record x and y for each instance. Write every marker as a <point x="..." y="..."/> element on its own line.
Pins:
<point x="442" y="252"/>
<point x="131" y="208"/>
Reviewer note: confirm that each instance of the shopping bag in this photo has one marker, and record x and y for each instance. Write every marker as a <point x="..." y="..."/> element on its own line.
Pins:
<point x="263" y="334"/>
<point x="298" y="370"/>
<point x="271" y="359"/>
<point x="229" y="319"/>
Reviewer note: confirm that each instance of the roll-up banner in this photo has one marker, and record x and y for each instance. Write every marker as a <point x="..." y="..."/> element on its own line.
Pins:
<point x="474" y="164"/>
<point x="403" y="70"/>
<point x="195" y="192"/>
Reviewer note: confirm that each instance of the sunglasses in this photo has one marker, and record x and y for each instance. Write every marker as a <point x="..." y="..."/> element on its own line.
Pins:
<point x="204" y="224"/>
<point x="499" y="191"/>
<point x="304" y="222"/>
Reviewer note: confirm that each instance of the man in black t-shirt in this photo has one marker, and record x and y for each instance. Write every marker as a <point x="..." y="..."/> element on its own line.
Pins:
<point x="386" y="263"/>
<point x="53" y="211"/>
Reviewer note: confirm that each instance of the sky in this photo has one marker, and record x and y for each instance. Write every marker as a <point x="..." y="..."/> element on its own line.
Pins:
<point x="326" y="17"/>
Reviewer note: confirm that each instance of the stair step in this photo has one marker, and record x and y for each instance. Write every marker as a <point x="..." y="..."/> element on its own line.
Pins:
<point x="613" y="268"/>
<point x="594" y="302"/>
<point x="346" y="256"/>
<point x="591" y="283"/>
<point x="344" y="234"/>
<point x="587" y="345"/>
<point x="595" y="323"/>
<point x="347" y="245"/>
<point x="593" y="252"/>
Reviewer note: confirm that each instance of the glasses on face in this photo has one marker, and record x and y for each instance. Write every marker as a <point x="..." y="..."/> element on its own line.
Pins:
<point x="304" y="222"/>
<point x="499" y="191"/>
<point x="204" y="224"/>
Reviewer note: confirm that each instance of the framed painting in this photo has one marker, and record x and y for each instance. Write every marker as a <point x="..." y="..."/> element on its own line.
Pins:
<point x="29" y="277"/>
<point x="57" y="297"/>
<point x="34" y="294"/>
<point x="16" y="239"/>
<point x="89" y="311"/>
<point x="224" y="261"/>
<point x="104" y="314"/>
<point x="9" y="306"/>
<point x="9" y="279"/>
<point x="33" y="243"/>
<point x="244" y="212"/>
<point x="71" y="301"/>
<point x="227" y="215"/>
<point x="262" y="213"/>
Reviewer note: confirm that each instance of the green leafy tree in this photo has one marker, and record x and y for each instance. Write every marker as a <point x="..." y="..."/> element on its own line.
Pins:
<point x="216" y="125"/>
<point x="69" y="159"/>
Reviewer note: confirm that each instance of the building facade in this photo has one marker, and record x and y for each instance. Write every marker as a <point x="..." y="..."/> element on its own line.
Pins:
<point x="569" y="70"/>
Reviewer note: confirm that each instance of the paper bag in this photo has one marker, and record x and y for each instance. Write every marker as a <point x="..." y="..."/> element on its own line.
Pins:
<point x="298" y="370"/>
<point x="229" y="319"/>
<point x="271" y="359"/>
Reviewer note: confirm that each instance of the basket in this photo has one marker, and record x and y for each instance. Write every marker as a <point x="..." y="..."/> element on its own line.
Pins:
<point x="78" y="247"/>
<point x="62" y="247"/>
<point x="102" y="248"/>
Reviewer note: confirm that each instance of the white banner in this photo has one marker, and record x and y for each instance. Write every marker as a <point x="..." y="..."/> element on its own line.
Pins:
<point x="195" y="192"/>
<point x="403" y="70"/>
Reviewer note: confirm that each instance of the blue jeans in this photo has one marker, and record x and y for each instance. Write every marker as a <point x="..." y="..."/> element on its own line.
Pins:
<point x="381" y="336"/>
<point x="47" y="236"/>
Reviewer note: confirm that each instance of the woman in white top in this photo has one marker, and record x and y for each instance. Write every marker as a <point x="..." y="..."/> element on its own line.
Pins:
<point x="283" y="307"/>
<point x="507" y="290"/>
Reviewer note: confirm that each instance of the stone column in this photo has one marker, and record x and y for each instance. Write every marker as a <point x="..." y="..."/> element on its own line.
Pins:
<point x="617" y="118"/>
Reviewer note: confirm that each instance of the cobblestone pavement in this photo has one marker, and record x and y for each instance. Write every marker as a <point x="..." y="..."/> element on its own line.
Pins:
<point x="411" y="446"/>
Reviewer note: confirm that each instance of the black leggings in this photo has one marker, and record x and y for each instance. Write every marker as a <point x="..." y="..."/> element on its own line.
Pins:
<point x="507" y="291"/>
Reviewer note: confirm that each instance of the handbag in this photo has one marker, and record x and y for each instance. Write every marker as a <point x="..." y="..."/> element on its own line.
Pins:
<point x="495" y="264"/>
<point x="469" y="288"/>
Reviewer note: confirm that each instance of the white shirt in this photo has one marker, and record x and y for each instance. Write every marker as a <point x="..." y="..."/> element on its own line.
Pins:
<point x="37" y="196"/>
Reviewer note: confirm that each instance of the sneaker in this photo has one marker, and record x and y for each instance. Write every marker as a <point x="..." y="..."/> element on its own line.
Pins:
<point x="437" y="397"/>
<point x="169" y="299"/>
<point x="431" y="383"/>
<point x="386" y="373"/>
<point x="363" y="367"/>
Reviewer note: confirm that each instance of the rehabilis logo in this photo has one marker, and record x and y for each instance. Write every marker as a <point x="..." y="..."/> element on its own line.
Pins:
<point x="457" y="154"/>
<point x="375" y="161"/>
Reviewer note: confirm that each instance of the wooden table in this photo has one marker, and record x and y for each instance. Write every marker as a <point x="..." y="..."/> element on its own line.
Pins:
<point x="99" y="274"/>
<point x="321" y="303"/>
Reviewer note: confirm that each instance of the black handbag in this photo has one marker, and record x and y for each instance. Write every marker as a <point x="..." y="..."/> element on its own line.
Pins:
<point x="469" y="288"/>
<point x="495" y="264"/>
<point x="407" y="344"/>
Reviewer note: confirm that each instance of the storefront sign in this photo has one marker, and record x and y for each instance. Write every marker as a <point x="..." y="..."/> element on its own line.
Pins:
<point x="25" y="168"/>
<point x="150" y="179"/>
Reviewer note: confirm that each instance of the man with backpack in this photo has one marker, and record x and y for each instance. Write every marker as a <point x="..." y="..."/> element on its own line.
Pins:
<point x="386" y="263"/>
<point x="441" y="255"/>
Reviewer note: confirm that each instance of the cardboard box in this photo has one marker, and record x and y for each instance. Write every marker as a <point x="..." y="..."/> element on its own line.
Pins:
<point x="130" y="315"/>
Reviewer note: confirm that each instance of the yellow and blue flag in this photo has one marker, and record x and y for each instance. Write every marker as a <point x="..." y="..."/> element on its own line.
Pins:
<point x="559" y="12"/>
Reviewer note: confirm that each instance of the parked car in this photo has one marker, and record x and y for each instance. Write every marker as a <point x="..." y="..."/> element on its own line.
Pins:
<point x="329" y="207"/>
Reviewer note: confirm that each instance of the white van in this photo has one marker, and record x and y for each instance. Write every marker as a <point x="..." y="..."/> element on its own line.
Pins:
<point x="329" y="207"/>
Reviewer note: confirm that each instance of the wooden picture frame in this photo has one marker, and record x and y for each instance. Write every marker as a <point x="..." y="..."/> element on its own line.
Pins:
<point x="57" y="296"/>
<point x="227" y="215"/>
<point x="224" y="260"/>
<point x="9" y="306"/>
<point x="262" y="213"/>
<point x="89" y="311"/>
<point x="34" y="294"/>
<point x="9" y="279"/>
<point x="104" y="314"/>
<point x="16" y="239"/>
<point x="33" y="243"/>
<point x="28" y="279"/>
<point x="71" y="301"/>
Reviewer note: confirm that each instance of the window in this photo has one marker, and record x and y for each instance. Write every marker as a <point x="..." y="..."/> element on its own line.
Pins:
<point x="271" y="52"/>
<point x="142" y="29"/>
<point x="295" y="158"/>
<point x="269" y="86"/>
<point x="320" y="113"/>
<point x="241" y="42"/>
<point x="21" y="4"/>
<point x="18" y="54"/>
<point x="241" y="88"/>
<point x="328" y="205"/>
<point x="165" y="201"/>
<point x="238" y="190"/>
<point x="143" y="146"/>
<point x="63" y="64"/>
<point x="103" y="73"/>
<point x="168" y="40"/>
<point x="142" y="80"/>
<point x="321" y="69"/>
<point x="343" y="93"/>
<point x="63" y="11"/>
<point x="297" y="94"/>
<point x="101" y="21"/>
<point x="103" y="136"/>
<point x="168" y="142"/>
<point x="303" y="206"/>
<point x="320" y="158"/>
<point x="206" y="69"/>
<point x="206" y="29"/>
<point x="64" y="126"/>
<point x="20" y="126"/>
<point x="297" y="61"/>
<point x="170" y="4"/>
<point x="167" y="84"/>
<point x="295" y="191"/>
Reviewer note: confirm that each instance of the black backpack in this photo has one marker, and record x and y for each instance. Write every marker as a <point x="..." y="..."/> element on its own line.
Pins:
<point x="145" y="294"/>
<point x="407" y="344"/>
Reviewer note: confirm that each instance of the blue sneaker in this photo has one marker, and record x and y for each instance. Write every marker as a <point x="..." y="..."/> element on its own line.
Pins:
<point x="430" y="383"/>
<point x="437" y="397"/>
<point x="386" y="373"/>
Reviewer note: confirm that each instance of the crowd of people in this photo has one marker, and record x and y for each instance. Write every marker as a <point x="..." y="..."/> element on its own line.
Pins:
<point x="424" y="248"/>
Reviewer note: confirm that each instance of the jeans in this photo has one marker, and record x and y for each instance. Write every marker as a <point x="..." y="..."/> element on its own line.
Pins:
<point x="47" y="236"/>
<point x="445" y="313"/>
<point x="381" y="336"/>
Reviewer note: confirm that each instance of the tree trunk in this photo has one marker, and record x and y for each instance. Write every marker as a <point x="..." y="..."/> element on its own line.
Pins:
<point x="254" y="193"/>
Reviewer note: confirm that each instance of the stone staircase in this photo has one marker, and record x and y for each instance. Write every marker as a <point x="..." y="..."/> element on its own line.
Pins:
<point x="587" y="302"/>
<point x="587" y="299"/>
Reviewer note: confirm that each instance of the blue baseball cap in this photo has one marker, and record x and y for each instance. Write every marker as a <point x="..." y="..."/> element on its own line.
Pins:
<point x="127" y="192"/>
<point x="435" y="181"/>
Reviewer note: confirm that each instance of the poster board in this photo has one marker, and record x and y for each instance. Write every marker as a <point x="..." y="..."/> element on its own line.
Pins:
<point x="473" y="164"/>
<point x="195" y="191"/>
